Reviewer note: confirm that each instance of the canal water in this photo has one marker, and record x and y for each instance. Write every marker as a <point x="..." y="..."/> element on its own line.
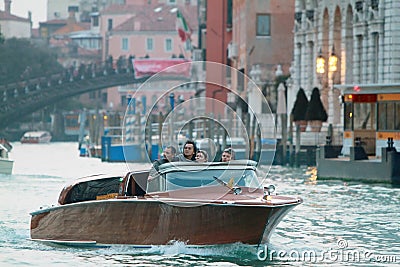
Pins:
<point x="339" y="224"/>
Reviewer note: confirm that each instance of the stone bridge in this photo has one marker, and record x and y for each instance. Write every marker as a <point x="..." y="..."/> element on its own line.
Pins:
<point x="23" y="98"/>
<point x="26" y="96"/>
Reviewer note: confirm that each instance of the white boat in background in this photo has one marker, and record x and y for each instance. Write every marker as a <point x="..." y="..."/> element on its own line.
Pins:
<point x="36" y="137"/>
<point x="6" y="164"/>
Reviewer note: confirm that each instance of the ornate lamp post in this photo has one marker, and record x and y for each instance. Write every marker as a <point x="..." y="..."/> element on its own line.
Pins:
<point x="332" y="68"/>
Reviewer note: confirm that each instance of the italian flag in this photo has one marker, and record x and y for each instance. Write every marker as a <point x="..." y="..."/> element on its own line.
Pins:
<point x="182" y="27"/>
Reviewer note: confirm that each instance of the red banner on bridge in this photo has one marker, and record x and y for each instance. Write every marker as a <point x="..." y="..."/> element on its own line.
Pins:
<point x="167" y="67"/>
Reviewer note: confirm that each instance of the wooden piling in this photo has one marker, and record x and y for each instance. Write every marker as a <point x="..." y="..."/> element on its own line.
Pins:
<point x="297" y="155"/>
<point x="291" y="155"/>
<point x="284" y="137"/>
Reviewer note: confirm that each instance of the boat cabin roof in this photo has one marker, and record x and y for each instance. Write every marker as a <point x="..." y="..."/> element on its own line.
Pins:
<point x="350" y="89"/>
<point x="89" y="187"/>
<point x="36" y="134"/>
<point x="181" y="175"/>
<point x="181" y="166"/>
<point x="176" y="173"/>
<point x="94" y="178"/>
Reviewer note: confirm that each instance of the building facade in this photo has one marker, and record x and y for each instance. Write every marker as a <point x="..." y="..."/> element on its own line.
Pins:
<point x="362" y="34"/>
<point x="217" y="38"/>
<point x="12" y="26"/>
<point x="58" y="9"/>
<point x="145" y="29"/>
<point x="119" y="30"/>
<point x="262" y="41"/>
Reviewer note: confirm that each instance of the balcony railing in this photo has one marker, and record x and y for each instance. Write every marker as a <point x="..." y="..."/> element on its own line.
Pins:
<point x="375" y="4"/>
<point x="310" y="15"/>
<point x="297" y="16"/>
<point x="359" y="6"/>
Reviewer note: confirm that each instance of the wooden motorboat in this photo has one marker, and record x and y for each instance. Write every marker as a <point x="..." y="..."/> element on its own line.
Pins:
<point x="198" y="204"/>
<point x="36" y="137"/>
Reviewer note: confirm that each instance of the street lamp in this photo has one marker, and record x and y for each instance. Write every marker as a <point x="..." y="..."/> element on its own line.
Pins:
<point x="332" y="67"/>
<point x="333" y="60"/>
<point x="320" y="67"/>
<point x="320" y="63"/>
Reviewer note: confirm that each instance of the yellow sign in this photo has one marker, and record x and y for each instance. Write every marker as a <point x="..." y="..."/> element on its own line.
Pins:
<point x="386" y="135"/>
<point x="388" y="97"/>
<point x="108" y="196"/>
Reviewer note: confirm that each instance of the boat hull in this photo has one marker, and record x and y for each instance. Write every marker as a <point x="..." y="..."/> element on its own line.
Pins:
<point x="150" y="222"/>
<point x="378" y="170"/>
<point x="6" y="166"/>
<point x="38" y="137"/>
<point x="41" y="141"/>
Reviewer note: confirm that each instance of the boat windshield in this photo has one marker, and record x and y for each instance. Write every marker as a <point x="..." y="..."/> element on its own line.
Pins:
<point x="211" y="177"/>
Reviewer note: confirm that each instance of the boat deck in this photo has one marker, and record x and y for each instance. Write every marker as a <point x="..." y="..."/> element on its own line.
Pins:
<point x="370" y="159"/>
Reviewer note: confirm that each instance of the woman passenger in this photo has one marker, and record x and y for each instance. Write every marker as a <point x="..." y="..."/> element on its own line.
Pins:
<point x="201" y="156"/>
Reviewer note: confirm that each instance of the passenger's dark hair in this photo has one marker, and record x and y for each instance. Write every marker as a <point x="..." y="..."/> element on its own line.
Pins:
<point x="190" y="142"/>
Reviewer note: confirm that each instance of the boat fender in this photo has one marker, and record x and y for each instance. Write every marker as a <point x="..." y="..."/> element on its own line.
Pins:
<point x="121" y="186"/>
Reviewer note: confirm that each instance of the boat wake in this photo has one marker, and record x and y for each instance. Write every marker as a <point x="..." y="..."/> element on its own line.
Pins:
<point x="181" y="248"/>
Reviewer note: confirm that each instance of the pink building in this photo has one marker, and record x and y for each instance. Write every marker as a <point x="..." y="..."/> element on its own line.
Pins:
<point x="219" y="35"/>
<point x="145" y="29"/>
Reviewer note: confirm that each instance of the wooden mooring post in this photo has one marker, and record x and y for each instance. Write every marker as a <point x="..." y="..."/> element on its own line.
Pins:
<point x="291" y="154"/>
<point x="297" y="150"/>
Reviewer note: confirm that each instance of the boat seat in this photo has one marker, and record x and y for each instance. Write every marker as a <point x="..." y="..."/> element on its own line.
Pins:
<point x="138" y="183"/>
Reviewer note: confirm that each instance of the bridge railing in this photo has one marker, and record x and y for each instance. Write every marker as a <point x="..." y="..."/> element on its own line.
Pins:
<point x="70" y="74"/>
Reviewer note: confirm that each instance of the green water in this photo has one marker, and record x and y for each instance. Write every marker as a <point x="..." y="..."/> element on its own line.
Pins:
<point x="339" y="223"/>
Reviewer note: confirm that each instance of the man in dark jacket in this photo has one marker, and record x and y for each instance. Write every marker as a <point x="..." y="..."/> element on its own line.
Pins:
<point x="169" y="155"/>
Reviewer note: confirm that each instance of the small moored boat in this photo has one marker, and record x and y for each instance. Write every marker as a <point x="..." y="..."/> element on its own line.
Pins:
<point x="199" y="204"/>
<point x="36" y="137"/>
<point x="6" y="164"/>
